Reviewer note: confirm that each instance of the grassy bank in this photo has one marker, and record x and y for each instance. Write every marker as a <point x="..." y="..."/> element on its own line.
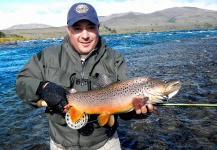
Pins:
<point x="58" y="32"/>
<point x="12" y="37"/>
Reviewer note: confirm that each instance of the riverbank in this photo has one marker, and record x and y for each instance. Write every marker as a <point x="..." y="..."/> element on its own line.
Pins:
<point x="59" y="32"/>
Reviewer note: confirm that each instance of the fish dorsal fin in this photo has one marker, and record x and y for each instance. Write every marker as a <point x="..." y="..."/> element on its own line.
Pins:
<point x="101" y="81"/>
<point x="103" y="118"/>
<point x="75" y="114"/>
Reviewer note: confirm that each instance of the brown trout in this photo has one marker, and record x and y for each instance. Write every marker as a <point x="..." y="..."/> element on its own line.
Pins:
<point x="120" y="97"/>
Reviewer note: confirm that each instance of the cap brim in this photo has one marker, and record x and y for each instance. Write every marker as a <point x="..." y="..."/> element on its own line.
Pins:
<point x="73" y="21"/>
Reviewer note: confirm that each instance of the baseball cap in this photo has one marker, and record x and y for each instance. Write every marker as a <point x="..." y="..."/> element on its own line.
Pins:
<point x="80" y="11"/>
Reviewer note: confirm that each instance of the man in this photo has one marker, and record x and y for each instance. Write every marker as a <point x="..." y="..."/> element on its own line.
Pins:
<point x="75" y="63"/>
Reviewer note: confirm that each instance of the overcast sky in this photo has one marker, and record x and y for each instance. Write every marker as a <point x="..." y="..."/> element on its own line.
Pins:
<point x="54" y="12"/>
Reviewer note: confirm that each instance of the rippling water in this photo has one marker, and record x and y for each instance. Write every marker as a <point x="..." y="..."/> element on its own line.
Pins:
<point x="190" y="56"/>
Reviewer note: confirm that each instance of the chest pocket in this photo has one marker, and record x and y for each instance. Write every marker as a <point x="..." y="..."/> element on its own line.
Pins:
<point x="80" y="84"/>
<point x="58" y="76"/>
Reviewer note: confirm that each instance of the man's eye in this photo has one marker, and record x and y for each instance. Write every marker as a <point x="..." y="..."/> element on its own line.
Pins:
<point x="76" y="29"/>
<point x="92" y="27"/>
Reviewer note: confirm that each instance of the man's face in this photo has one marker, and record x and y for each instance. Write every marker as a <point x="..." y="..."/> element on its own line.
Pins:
<point x="84" y="36"/>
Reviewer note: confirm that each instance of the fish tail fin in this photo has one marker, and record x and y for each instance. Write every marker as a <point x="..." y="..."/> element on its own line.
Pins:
<point x="75" y="114"/>
<point x="103" y="118"/>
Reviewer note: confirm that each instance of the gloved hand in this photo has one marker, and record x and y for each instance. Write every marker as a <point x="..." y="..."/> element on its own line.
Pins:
<point x="53" y="94"/>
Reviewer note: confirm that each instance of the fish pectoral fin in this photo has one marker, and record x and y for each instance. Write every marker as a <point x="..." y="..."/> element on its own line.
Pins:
<point x="138" y="102"/>
<point x="101" y="81"/>
<point x="103" y="118"/>
<point x="75" y="114"/>
<point x="111" y="120"/>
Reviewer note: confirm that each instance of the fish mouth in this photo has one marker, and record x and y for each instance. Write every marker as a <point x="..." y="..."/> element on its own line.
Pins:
<point x="162" y="99"/>
<point x="165" y="98"/>
<point x="158" y="99"/>
<point x="169" y="96"/>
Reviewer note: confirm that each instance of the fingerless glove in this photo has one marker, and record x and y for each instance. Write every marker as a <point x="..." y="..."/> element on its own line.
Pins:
<point x="54" y="95"/>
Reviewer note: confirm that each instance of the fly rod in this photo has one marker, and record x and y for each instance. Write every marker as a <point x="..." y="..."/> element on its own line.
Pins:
<point x="186" y="105"/>
<point x="41" y="103"/>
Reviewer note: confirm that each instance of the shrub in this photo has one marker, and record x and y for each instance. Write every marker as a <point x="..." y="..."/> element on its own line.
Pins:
<point x="2" y="35"/>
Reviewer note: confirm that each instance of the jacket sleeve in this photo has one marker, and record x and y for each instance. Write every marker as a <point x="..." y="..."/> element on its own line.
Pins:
<point x="28" y="80"/>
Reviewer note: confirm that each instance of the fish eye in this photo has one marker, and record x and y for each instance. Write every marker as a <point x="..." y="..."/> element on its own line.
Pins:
<point x="176" y="84"/>
<point x="165" y="81"/>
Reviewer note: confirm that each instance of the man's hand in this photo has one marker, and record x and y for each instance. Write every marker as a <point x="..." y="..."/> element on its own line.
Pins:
<point x="147" y="108"/>
<point x="54" y="95"/>
<point x="141" y="112"/>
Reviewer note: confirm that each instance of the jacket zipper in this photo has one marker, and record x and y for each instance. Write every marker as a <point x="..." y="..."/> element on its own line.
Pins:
<point x="83" y="62"/>
<point x="82" y="72"/>
<point x="83" y="65"/>
<point x="82" y="83"/>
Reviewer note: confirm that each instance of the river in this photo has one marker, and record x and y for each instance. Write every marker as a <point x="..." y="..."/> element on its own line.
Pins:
<point x="189" y="56"/>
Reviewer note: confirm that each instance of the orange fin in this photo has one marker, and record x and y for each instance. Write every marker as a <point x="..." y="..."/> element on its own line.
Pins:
<point x="103" y="118"/>
<point x="67" y="106"/>
<point x="138" y="102"/>
<point x="75" y="114"/>
<point x="111" y="120"/>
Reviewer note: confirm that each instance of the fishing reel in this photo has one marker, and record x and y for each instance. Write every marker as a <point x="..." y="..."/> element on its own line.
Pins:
<point x="78" y="124"/>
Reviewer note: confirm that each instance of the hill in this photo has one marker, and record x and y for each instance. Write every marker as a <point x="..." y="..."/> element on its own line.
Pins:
<point x="169" y="19"/>
<point x="177" y="18"/>
<point x="29" y="26"/>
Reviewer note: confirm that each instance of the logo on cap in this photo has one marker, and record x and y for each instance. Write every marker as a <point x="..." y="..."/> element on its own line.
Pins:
<point x="82" y="8"/>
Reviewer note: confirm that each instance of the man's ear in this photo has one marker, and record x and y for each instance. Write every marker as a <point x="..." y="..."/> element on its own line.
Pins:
<point x="68" y="30"/>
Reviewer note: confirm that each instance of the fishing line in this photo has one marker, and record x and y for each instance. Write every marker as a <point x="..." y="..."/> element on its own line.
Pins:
<point x="186" y="105"/>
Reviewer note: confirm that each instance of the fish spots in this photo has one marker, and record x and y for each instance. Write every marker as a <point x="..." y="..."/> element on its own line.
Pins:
<point x="123" y="89"/>
<point x="119" y="97"/>
<point x="153" y="84"/>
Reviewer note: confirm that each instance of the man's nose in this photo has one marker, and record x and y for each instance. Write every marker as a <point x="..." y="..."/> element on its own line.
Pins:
<point x="85" y="34"/>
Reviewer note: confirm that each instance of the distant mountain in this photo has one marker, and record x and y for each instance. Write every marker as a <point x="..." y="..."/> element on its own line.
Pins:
<point x="172" y="18"/>
<point x="29" y="26"/>
<point x="106" y="18"/>
<point x="177" y="18"/>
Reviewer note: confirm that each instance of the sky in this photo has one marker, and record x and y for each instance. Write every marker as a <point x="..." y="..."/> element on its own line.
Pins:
<point x="54" y="12"/>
